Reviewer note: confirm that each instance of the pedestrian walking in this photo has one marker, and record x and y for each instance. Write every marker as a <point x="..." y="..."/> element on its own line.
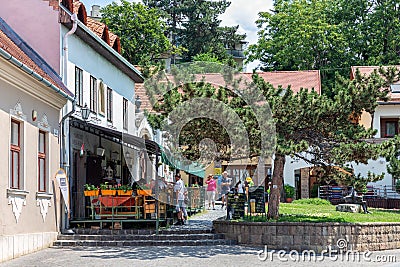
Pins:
<point x="180" y="193"/>
<point x="211" y="190"/>
<point x="225" y="187"/>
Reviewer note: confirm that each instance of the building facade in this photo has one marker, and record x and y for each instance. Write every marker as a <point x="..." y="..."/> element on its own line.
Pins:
<point x="32" y="98"/>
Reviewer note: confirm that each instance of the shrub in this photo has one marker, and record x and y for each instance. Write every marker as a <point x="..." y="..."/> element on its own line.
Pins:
<point x="312" y="201"/>
<point x="289" y="191"/>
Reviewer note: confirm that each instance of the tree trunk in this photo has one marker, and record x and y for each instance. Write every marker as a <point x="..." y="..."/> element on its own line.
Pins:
<point x="276" y="187"/>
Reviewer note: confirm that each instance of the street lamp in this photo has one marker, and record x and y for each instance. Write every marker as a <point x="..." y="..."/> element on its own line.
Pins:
<point x="85" y="111"/>
<point x="138" y="103"/>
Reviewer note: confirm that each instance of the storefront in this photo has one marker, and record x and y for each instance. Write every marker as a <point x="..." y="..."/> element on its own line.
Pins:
<point x="107" y="160"/>
<point x="102" y="157"/>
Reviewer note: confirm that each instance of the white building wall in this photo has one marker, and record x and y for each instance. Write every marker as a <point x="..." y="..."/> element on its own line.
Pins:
<point x="93" y="64"/>
<point x="378" y="166"/>
<point x="29" y="220"/>
<point x="384" y="111"/>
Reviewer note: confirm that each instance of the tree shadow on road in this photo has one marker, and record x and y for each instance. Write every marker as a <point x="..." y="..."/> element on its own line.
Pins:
<point x="149" y="252"/>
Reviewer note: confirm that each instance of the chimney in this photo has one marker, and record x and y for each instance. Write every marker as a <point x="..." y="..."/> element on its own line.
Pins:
<point x="95" y="12"/>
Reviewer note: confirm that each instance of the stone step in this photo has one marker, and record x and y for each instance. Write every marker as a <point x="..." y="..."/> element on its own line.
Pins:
<point x="94" y="243"/>
<point x="141" y="237"/>
<point x="174" y="230"/>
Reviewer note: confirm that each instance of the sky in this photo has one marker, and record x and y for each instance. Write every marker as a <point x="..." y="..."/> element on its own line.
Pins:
<point x="241" y="12"/>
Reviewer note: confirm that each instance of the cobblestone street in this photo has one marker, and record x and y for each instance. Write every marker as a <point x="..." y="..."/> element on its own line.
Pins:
<point x="220" y="255"/>
<point x="202" y="220"/>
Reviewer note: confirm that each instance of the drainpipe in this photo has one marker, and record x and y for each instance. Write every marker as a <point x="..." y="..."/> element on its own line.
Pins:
<point x="74" y="19"/>
<point x="64" y="156"/>
<point x="64" y="163"/>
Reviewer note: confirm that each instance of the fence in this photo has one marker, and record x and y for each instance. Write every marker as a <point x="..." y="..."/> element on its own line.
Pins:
<point x="378" y="196"/>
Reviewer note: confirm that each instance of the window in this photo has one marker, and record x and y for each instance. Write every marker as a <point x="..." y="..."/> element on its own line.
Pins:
<point x="79" y="86"/>
<point x="93" y="94"/>
<point x="125" y="114"/>
<point x="15" y="154"/>
<point x="389" y="127"/>
<point x="42" y="181"/>
<point x="102" y="101"/>
<point x="109" y="104"/>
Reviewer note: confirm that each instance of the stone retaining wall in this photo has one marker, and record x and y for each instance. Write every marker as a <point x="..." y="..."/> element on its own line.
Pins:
<point x="312" y="236"/>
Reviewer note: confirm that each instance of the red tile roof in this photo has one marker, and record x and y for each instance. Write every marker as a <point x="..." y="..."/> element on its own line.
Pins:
<point x="367" y="70"/>
<point x="10" y="47"/>
<point x="96" y="26"/>
<point x="99" y="28"/>
<point x="297" y="79"/>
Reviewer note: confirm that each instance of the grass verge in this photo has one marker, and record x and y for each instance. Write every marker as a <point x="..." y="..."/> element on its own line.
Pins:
<point x="310" y="212"/>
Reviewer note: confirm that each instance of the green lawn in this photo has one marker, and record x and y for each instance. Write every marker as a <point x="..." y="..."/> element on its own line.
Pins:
<point x="300" y="212"/>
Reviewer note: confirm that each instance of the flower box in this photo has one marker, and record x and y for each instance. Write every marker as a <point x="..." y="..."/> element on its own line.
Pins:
<point x="108" y="192"/>
<point x="144" y="192"/>
<point x="91" y="193"/>
<point x="124" y="193"/>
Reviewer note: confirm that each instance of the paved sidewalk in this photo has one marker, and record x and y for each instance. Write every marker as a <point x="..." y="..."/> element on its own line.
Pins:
<point x="202" y="220"/>
<point x="196" y="256"/>
<point x="218" y="256"/>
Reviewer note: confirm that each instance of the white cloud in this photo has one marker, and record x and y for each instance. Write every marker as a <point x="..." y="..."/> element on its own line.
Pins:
<point x="245" y="13"/>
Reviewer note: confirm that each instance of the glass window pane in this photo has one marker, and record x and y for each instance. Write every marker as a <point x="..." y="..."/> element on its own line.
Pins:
<point x="15" y="169"/>
<point x="390" y="128"/>
<point x="14" y="133"/>
<point x="11" y="169"/>
<point x="42" y="172"/>
<point x="41" y="142"/>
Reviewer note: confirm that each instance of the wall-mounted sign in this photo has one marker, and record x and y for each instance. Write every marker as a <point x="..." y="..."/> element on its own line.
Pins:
<point x="62" y="181"/>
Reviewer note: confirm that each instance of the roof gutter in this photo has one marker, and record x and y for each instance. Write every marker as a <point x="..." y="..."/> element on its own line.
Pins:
<point x="389" y="103"/>
<point x="34" y="74"/>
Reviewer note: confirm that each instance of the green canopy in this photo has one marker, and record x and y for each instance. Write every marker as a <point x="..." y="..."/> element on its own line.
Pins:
<point x="187" y="166"/>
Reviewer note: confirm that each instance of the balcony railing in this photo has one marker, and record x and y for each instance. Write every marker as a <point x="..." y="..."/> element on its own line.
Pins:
<point x="236" y="53"/>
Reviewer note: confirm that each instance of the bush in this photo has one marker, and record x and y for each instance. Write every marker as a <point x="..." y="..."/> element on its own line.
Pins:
<point x="312" y="201"/>
<point x="314" y="191"/>
<point x="289" y="191"/>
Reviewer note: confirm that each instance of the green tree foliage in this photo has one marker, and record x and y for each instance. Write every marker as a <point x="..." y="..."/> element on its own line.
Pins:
<point x="299" y="35"/>
<point x="321" y="130"/>
<point x="371" y="28"/>
<point x="329" y="35"/>
<point x="194" y="25"/>
<point x="393" y="156"/>
<point x="140" y="28"/>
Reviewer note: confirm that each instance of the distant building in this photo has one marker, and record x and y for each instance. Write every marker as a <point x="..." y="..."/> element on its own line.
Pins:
<point x="237" y="52"/>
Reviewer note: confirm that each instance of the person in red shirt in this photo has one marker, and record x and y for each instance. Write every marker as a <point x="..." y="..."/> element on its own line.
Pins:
<point x="211" y="191"/>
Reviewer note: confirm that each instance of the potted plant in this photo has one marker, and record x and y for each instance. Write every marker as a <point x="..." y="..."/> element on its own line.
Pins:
<point x="107" y="190"/>
<point x="144" y="190"/>
<point x="124" y="190"/>
<point x="289" y="192"/>
<point x="91" y="190"/>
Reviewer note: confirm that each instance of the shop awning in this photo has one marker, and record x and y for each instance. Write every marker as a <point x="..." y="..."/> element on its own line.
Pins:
<point x="189" y="167"/>
<point x="116" y="136"/>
